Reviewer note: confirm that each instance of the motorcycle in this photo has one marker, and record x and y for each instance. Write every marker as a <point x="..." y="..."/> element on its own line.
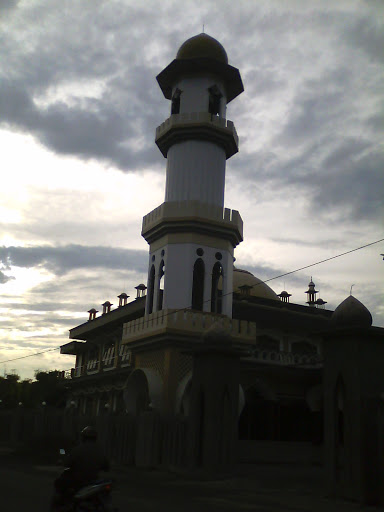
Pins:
<point x="94" y="497"/>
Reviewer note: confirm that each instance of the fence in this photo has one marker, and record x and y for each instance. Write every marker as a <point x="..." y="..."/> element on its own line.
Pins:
<point x="148" y="440"/>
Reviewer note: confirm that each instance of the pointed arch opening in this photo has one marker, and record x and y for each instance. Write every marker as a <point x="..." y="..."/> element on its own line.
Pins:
<point x="175" y="105"/>
<point x="201" y="429"/>
<point x="214" y="100"/>
<point x="225" y="439"/>
<point x="216" y="294"/>
<point x="160" y="294"/>
<point x="339" y="428"/>
<point x="340" y="408"/>
<point x="198" y="285"/>
<point x="151" y="289"/>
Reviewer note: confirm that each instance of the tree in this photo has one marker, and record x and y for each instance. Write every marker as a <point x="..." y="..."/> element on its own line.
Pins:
<point x="50" y="387"/>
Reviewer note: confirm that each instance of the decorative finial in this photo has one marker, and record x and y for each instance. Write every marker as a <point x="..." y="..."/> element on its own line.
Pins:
<point x="350" y="291"/>
<point x="203" y="28"/>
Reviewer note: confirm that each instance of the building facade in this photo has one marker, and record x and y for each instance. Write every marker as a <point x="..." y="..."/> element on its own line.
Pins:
<point x="152" y="353"/>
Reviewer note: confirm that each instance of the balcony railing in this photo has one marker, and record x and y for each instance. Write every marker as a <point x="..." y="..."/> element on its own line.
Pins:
<point x="189" y="118"/>
<point x="109" y="357"/>
<point x="286" y="358"/>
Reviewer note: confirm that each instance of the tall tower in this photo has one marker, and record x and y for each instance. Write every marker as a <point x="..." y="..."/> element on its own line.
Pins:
<point x="191" y="235"/>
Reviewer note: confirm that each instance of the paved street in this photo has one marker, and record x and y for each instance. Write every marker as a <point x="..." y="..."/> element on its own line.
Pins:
<point x="26" y="486"/>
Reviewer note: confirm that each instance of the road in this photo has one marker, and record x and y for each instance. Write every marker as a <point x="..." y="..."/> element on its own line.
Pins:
<point x="26" y="487"/>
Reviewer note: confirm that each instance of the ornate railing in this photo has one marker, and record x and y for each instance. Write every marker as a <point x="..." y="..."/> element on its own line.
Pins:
<point x="286" y="358"/>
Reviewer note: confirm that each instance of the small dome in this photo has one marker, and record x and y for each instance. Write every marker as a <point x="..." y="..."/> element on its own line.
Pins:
<point x="257" y="287"/>
<point x="351" y="313"/>
<point x="202" y="46"/>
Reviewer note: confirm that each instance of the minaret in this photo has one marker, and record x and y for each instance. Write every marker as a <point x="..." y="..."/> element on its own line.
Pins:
<point x="191" y="235"/>
<point x="311" y="294"/>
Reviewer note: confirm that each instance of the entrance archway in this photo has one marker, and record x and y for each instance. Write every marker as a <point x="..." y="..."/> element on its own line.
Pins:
<point x="143" y="390"/>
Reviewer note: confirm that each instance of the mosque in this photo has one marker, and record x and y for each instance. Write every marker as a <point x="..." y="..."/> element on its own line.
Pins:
<point x="305" y="374"/>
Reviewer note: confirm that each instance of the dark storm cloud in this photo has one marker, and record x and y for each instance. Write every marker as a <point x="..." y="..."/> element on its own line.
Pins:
<point x="4" y="278"/>
<point x="92" y="130"/>
<point x="8" y="4"/>
<point x="321" y="62"/>
<point x="357" y="184"/>
<point x="367" y="34"/>
<point x="310" y="116"/>
<point x="61" y="260"/>
<point x="346" y="181"/>
<point x="80" y="47"/>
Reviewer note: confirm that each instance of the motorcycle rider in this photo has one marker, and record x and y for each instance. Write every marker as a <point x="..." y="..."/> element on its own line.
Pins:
<point x="83" y="465"/>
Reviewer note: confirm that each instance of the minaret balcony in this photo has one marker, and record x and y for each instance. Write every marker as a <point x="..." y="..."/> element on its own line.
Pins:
<point x="193" y="217"/>
<point x="184" y="326"/>
<point x="197" y="126"/>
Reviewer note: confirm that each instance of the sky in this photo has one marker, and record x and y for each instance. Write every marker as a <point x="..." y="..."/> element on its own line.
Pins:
<point x="79" y="105"/>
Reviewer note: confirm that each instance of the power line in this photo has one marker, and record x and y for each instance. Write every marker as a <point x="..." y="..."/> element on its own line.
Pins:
<point x="30" y="355"/>
<point x="323" y="261"/>
<point x="230" y="293"/>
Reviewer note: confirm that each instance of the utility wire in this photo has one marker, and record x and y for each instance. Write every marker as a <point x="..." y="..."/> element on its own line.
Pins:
<point x="323" y="261"/>
<point x="230" y="293"/>
<point x="30" y="355"/>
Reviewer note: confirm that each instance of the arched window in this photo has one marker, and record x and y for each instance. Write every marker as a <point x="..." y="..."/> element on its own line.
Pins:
<point x="175" y="107"/>
<point x="216" y="294"/>
<point x="198" y="285"/>
<point x="161" y="286"/>
<point x="151" y="289"/>
<point x="214" y="100"/>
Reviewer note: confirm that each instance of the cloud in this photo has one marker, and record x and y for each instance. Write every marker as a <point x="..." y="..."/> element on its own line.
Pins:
<point x="367" y="34"/>
<point x="93" y="130"/>
<point x="4" y="278"/>
<point x="60" y="260"/>
<point x="8" y="4"/>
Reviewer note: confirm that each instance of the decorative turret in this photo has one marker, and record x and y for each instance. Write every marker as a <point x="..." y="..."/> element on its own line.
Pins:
<point x="140" y="290"/>
<point x="123" y="298"/>
<point x="311" y="294"/>
<point x="191" y="235"/>
<point x="92" y="314"/>
<point x="320" y="303"/>
<point x="107" y="307"/>
<point x="284" y="296"/>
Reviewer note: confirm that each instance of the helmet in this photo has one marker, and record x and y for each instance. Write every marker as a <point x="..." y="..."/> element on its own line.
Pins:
<point x="88" y="433"/>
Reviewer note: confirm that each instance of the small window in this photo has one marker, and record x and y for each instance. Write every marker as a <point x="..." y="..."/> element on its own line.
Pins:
<point x="175" y="108"/>
<point x="214" y="100"/>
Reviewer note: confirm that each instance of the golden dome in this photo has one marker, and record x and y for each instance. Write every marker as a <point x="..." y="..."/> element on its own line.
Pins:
<point x="243" y="278"/>
<point x="202" y="46"/>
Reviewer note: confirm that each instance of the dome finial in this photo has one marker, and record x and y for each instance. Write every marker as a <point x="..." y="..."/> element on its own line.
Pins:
<point x="350" y="291"/>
